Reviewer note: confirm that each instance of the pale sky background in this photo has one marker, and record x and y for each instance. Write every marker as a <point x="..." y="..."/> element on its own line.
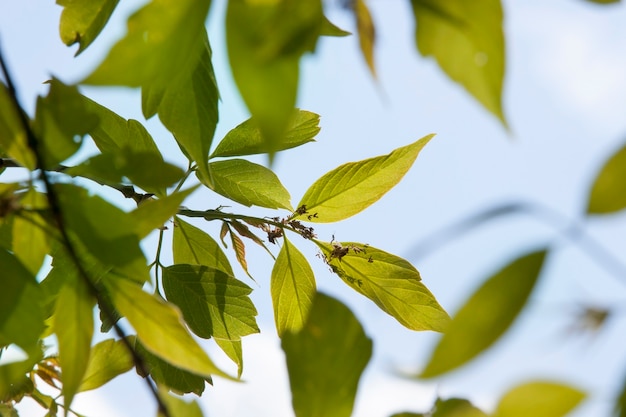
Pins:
<point x="565" y="95"/>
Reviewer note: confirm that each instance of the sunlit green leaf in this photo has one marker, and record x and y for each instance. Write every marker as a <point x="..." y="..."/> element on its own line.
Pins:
<point x="486" y="315"/>
<point x="329" y="29"/>
<point x="21" y="314"/>
<point x="160" y="328"/>
<point x="246" y="139"/>
<point x="162" y="45"/>
<point x="108" y="359"/>
<point x="456" y="407"/>
<point x="14" y="383"/>
<point x="163" y="373"/>
<point x="177" y="407"/>
<point x="82" y="20"/>
<point x="73" y="325"/>
<point x="153" y="213"/>
<point x="249" y="184"/>
<point x="195" y="247"/>
<point x="366" y="31"/>
<point x="292" y="287"/>
<point x="467" y="40"/>
<point x="234" y="351"/>
<point x="539" y="399"/>
<point x="29" y="239"/>
<point x="213" y="303"/>
<point x="323" y="378"/>
<point x="12" y="135"/>
<point x="352" y="187"/>
<point x="607" y="193"/>
<point x="389" y="281"/>
<point x="265" y="41"/>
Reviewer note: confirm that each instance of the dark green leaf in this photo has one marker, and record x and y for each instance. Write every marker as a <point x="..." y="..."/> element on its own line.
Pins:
<point x="352" y="187"/>
<point x="249" y="184"/>
<point x="12" y="136"/>
<point x="153" y="213"/>
<point x="246" y="138"/>
<point x="195" y="247"/>
<point x="14" y="383"/>
<point x="160" y="328"/>
<point x="467" y="40"/>
<point x="213" y="303"/>
<point x="389" y="281"/>
<point x="539" y="399"/>
<point x="620" y="401"/>
<point x="82" y="20"/>
<point x="608" y="194"/>
<point x="324" y="379"/>
<point x="456" y="407"/>
<point x="487" y="314"/>
<point x="293" y="289"/>
<point x="107" y="360"/>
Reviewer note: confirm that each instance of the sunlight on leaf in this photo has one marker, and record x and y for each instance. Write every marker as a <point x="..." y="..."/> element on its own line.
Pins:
<point x="486" y="315"/>
<point x="352" y="187"/>
<point x="324" y="379"/>
<point x="12" y="136"/>
<point x="82" y="20"/>
<point x="178" y="407"/>
<point x="456" y="407"/>
<point x="607" y="193"/>
<point x="292" y="288"/>
<point x="233" y="349"/>
<point x="152" y="214"/>
<point x="194" y="246"/>
<point x="108" y="359"/>
<point x="539" y="399"/>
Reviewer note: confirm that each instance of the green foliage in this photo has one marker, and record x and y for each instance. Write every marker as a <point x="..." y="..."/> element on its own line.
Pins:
<point x="606" y="195"/>
<point x="540" y="399"/>
<point x="82" y="20"/>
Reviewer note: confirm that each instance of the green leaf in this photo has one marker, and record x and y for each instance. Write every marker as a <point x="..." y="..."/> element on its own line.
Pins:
<point x="188" y="109"/>
<point x="234" y="351"/>
<point x="29" y="239"/>
<point x="8" y="411"/>
<point x="366" y="31"/>
<point x="265" y="41"/>
<point x="73" y="325"/>
<point x="12" y="135"/>
<point x="324" y="379"/>
<point x="82" y="20"/>
<point x="487" y="314"/>
<point x="352" y="187"/>
<point x="456" y="407"/>
<point x="195" y="247"/>
<point x="620" y="401"/>
<point x="240" y="251"/>
<point x="249" y="184"/>
<point x="604" y="1"/>
<point x="467" y="40"/>
<point x="177" y="407"/>
<point x="153" y="213"/>
<point x="409" y="414"/>
<point x="163" y="44"/>
<point x="213" y="303"/>
<point x="21" y="313"/>
<point x="389" y="281"/>
<point x="60" y="120"/>
<point x="329" y="29"/>
<point x="14" y="383"/>
<point x="246" y="138"/>
<point x="608" y="194"/>
<point x="108" y="359"/>
<point x="293" y="289"/>
<point x="539" y="399"/>
<point x="163" y="373"/>
<point x="160" y="328"/>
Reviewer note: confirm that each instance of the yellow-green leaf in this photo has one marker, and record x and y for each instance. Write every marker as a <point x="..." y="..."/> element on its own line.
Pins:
<point x="486" y="315"/>
<point x="292" y="288"/>
<point x="178" y="407"/>
<point x="233" y="349"/>
<point x="153" y="213"/>
<point x="608" y="193"/>
<point x="366" y="31"/>
<point x="12" y="135"/>
<point x="323" y="378"/>
<point x="389" y="281"/>
<point x="539" y="399"/>
<point x="160" y="327"/>
<point x="352" y="187"/>
<point x="194" y="246"/>
<point x="456" y="407"/>
<point x="29" y="239"/>
<point x="467" y="40"/>
<point x="107" y="360"/>
<point x="82" y="20"/>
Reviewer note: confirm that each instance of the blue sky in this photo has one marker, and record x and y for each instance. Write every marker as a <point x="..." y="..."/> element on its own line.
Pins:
<point x="565" y="95"/>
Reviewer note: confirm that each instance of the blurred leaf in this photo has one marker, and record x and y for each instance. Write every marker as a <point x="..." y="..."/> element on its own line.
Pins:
<point x="293" y="289"/>
<point x="13" y="139"/>
<point x="29" y="239"/>
<point x="82" y="20"/>
<point x="352" y="187"/>
<point x="249" y="184"/>
<point x="604" y="1"/>
<point x="233" y="350"/>
<point x="329" y="29"/>
<point x="108" y="359"/>
<point x="408" y="414"/>
<point x="73" y="325"/>
<point x="265" y="41"/>
<point x="160" y="328"/>
<point x="153" y="213"/>
<point x="539" y="399"/>
<point x="163" y="373"/>
<point x="323" y="378"/>
<point x="246" y="139"/>
<point x="620" y="401"/>
<point x="14" y="383"/>
<point x="188" y="109"/>
<point x="389" y="281"/>
<point x="486" y="315"/>
<point x="177" y="407"/>
<point x="607" y="193"/>
<point x="456" y="407"/>
<point x="162" y="45"/>
<point x="213" y="303"/>
<point x="7" y="410"/>
<point x="366" y="31"/>
<point x="467" y="40"/>
<point x="195" y="247"/>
